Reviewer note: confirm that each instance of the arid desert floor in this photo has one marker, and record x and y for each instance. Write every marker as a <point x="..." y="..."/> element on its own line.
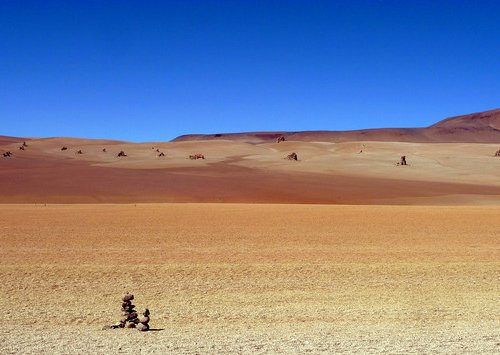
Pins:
<point x="251" y="278"/>
<point x="364" y="173"/>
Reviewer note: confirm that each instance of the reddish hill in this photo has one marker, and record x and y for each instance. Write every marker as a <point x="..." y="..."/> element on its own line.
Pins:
<point x="482" y="127"/>
<point x="4" y="140"/>
<point x="486" y="119"/>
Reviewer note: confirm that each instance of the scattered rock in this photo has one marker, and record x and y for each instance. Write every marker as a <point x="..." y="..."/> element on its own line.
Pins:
<point x="292" y="156"/>
<point x="196" y="156"/>
<point x="64" y="148"/>
<point x="280" y="139"/>
<point x="161" y="154"/>
<point x="79" y="152"/>
<point x="7" y="154"/>
<point x="122" y="154"/>
<point x="497" y="153"/>
<point x="403" y="160"/>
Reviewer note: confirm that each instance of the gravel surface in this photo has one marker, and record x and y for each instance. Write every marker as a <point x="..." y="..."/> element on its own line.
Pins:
<point x="251" y="278"/>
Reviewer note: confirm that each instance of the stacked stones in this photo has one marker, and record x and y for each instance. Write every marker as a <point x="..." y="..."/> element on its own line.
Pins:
<point x="129" y="319"/>
<point x="143" y="324"/>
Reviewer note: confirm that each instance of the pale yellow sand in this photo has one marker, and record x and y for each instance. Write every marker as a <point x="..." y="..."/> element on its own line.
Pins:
<point x="251" y="278"/>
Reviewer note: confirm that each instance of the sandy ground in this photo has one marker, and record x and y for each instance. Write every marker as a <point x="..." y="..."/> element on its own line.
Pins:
<point x="241" y="172"/>
<point x="239" y="278"/>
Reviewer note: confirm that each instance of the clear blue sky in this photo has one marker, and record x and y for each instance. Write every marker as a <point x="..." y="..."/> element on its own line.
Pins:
<point x="152" y="70"/>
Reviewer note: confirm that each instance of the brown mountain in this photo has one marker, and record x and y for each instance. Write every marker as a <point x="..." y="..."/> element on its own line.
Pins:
<point x="481" y="127"/>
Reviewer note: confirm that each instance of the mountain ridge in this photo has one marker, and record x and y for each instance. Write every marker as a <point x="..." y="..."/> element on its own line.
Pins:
<point x="479" y="127"/>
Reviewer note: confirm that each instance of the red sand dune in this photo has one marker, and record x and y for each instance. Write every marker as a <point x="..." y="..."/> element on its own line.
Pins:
<point x="362" y="171"/>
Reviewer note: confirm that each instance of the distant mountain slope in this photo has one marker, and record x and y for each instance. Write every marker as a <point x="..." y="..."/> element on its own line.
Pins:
<point x="486" y="119"/>
<point x="482" y="127"/>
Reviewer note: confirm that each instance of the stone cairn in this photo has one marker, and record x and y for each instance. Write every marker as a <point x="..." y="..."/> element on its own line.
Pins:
<point x="129" y="313"/>
<point x="402" y="161"/>
<point x="143" y="324"/>
<point x="497" y="154"/>
<point x="130" y="318"/>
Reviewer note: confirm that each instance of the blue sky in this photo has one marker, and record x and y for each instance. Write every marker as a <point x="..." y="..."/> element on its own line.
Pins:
<point x="152" y="70"/>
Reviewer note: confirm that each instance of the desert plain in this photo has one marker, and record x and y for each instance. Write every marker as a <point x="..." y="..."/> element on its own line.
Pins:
<point x="341" y="251"/>
<point x="251" y="278"/>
